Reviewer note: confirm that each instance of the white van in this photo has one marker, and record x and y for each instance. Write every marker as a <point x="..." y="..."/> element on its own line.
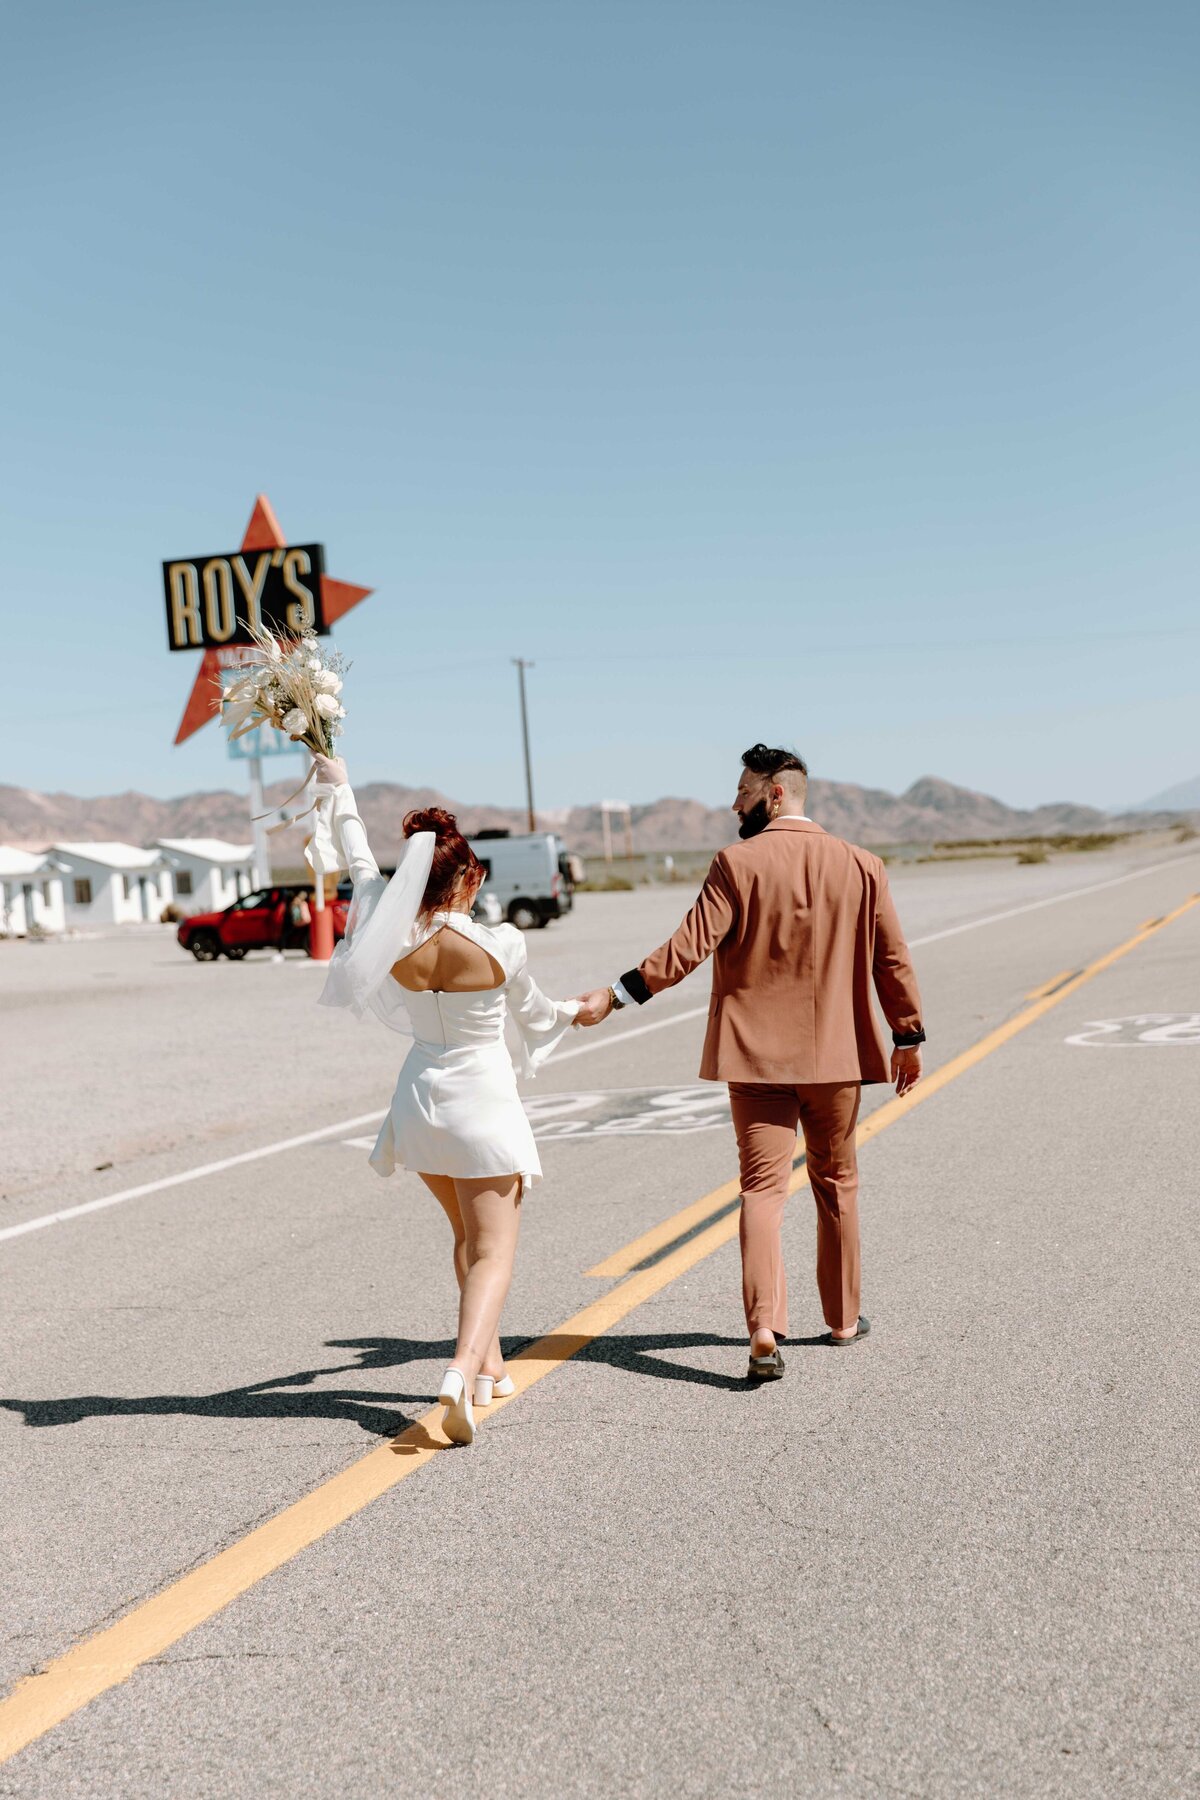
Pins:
<point x="529" y="875"/>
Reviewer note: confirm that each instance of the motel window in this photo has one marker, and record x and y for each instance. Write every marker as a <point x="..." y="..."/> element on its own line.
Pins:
<point x="130" y="887"/>
<point x="83" y="893"/>
<point x="46" y="897"/>
<point x="183" y="882"/>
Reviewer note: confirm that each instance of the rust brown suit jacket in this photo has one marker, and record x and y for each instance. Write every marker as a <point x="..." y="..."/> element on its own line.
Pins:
<point x="800" y="926"/>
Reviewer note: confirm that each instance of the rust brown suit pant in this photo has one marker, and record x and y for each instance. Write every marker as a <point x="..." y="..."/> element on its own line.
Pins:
<point x="766" y="1118"/>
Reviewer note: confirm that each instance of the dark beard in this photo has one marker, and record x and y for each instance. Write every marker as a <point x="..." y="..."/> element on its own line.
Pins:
<point x="756" y="820"/>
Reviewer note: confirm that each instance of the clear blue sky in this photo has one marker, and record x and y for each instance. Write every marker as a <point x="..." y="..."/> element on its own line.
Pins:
<point x="826" y="374"/>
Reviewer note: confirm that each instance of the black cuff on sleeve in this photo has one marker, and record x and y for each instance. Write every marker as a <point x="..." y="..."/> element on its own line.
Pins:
<point x="635" y="986"/>
<point x="906" y="1040"/>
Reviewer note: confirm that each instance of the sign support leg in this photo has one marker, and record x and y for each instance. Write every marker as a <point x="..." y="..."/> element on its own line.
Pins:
<point x="258" y="826"/>
<point x="320" y="932"/>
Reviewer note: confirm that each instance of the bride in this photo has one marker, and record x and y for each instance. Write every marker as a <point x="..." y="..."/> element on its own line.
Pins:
<point x="414" y="956"/>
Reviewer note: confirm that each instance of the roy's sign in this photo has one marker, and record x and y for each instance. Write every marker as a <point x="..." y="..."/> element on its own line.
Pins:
<point x="213" y="600"/>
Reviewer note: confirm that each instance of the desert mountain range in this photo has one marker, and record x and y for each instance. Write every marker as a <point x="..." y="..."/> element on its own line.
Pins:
<point x="930" y="809"/>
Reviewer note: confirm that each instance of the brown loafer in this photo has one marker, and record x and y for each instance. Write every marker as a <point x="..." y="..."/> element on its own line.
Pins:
<point x="839" y="1343"/>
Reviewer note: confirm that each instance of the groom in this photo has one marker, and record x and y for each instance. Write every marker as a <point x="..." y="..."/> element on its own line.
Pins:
<point x="800" y="926"/>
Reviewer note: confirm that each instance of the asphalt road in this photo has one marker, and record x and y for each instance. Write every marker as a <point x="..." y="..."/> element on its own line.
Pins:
<point x="959" y="1559"/>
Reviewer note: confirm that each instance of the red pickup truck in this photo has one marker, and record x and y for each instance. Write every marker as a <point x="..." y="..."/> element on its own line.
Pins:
<point x="258" y="921"/>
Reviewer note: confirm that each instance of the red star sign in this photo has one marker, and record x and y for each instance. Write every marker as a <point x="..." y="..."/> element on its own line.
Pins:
<point x="337" y="597"/>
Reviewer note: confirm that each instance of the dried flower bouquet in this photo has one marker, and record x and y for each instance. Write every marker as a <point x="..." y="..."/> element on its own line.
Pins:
<point x="293" y="685"/>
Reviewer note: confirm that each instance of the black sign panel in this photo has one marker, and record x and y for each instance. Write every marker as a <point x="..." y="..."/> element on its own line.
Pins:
<point x="212" y="599"/>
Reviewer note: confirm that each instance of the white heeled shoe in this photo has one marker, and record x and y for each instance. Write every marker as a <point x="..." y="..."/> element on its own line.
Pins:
<point x="458" y="1422"/>
<point x="487" y="1387"/>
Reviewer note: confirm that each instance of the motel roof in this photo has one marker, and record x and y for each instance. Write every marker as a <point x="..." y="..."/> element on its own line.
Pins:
<point x="210" y="850"/>
<point x="111" y="856"/>
<point x="21" y="862"/>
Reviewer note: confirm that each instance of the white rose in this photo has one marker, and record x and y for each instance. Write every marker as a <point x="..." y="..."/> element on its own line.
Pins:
<point x="295" y="723"/>
<point x="314" y="663"/>
<point x="341" y="712"/>
<point x="327" y="682"/>
<point x="327" y="706"/>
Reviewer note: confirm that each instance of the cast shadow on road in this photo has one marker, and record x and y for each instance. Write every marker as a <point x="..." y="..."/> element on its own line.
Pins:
<point x="373" y="1412"/>
<point x="637" y="1355"/>
<point x="377" y="1412"/>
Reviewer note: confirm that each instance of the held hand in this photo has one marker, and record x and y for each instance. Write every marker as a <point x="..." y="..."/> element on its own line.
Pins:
<point x="906" y="1067"/>
<point x="594" y="1006"/>
<point x="330" y="770"/>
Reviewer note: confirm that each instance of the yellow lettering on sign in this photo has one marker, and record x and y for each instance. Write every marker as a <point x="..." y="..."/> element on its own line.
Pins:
<point x="219" y="614"/>
<point x="302" y="611"/>
<point x="252" y="586"/>
<point x="185" y="605"/>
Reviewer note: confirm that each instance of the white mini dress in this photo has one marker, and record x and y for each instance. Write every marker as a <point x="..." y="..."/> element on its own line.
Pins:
<point x="456" y="1110"/>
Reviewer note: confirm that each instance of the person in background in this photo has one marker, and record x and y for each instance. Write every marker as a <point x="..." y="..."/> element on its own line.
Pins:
<point x="299" y="916"/>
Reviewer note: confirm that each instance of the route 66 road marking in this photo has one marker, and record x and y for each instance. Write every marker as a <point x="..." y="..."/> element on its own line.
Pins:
<point x="617" y="1112"/>
<point x="628" y="1112"/>
<point x="1154" y="1029"/>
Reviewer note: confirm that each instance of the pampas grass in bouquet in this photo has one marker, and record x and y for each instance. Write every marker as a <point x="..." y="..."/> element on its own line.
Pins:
<point x="293" y="685"/>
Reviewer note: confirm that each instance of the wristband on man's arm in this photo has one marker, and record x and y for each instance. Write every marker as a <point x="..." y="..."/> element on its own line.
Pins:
<point x="908" y="1040"/>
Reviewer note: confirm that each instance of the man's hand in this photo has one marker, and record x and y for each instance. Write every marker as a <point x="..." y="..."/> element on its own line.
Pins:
<point x="594" y="1006"/>
<point x="906" y="1067"/>
<point x="331" y="770"/>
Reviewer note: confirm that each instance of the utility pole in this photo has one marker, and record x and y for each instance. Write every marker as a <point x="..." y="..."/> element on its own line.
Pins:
<point x="522" y="665"/>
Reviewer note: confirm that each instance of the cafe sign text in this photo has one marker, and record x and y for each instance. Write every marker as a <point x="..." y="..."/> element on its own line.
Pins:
<point x="213" y="600"/>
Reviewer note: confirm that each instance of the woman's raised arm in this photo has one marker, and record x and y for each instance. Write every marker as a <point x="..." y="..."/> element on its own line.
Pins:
<point x="346" y="828"/>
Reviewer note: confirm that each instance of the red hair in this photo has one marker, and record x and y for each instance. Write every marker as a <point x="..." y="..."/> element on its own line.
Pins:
<point x="453" y="857"/>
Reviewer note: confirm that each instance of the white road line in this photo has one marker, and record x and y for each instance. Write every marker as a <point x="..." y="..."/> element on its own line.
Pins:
<point x="622" y="1037"/>
<point x="170" y="1181"/>
<point x="606" y="1042"/>
<point x="1051" y="900"/>
<point x="294" y="1143"/>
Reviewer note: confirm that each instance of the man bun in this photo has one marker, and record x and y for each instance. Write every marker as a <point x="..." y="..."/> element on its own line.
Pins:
<point x="761" y="759"/>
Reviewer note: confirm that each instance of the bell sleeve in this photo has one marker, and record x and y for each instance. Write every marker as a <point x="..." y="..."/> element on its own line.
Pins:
<point x="541" y="1023"/>
<point x="339" y="839"/>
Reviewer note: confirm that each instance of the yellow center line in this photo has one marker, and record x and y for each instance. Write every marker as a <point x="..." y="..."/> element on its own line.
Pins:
<point x="1050" y="994"/>
<point x="625" y="1260"/>
<point x="111" y="1656"/>
<point x="1047" y="987"/>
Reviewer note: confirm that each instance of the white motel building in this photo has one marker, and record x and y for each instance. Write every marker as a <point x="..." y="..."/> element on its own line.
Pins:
<point x="111" y="884"/>
<point x="31" y="893"/>
<point x="208" y="873"/>
<point x="72" y="887"/>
